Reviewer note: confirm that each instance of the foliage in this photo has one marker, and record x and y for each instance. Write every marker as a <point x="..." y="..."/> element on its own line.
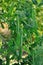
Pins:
<point x="25" y="20"/>
<point x="38" y="56"/>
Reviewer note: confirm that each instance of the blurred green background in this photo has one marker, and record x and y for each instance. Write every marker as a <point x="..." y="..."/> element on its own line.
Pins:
<point x="25" y="20"/>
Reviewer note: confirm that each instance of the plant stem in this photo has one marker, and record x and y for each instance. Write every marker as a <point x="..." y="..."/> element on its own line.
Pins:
<point x="7" y="60"/>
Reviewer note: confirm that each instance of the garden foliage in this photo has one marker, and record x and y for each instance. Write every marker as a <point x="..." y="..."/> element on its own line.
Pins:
<point x="25" y="22"/>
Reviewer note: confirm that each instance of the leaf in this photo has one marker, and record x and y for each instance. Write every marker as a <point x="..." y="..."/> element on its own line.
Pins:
<point x="0" y="42"/>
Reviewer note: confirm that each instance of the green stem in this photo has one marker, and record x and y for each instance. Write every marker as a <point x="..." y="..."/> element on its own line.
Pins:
<point x="7" y="60"/>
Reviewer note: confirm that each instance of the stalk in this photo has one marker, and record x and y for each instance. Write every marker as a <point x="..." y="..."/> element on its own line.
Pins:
<point x="7" y="60"/>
